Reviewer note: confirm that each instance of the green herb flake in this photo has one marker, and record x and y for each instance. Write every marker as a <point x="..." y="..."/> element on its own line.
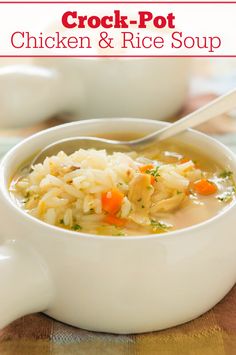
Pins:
<point x="76" y="227"/>
<point x="160" y="227"/>
<point x="227" y="196"/>
<point x="149" y="187"/>
<point x="27" y="197"/>
<point x="154" y="172"/>
<point x="224" y="198"/>
<point x="61" y="221"/>
<point x="119" y="234"/>
<point x="226" y="174"/>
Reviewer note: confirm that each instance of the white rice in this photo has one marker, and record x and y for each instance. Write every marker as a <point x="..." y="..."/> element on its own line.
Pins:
<point x="67" y="190"/>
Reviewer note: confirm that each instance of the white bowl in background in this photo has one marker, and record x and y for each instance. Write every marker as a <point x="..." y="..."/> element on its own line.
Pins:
<point x="154" y="88"/>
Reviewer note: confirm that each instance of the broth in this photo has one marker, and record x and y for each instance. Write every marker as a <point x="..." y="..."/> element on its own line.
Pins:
<point x="155" y="191"/>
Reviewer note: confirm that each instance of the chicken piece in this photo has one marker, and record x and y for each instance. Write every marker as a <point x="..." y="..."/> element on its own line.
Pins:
<point x="171" y="178"/>
<point x="161" y="192"/>
<point x="169" y="204"/>
<point x="139" y="195"/>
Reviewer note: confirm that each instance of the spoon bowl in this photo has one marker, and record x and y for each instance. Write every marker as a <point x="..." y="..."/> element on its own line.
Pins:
<point x="216" y="107"/>
<point x="69" y="145"/>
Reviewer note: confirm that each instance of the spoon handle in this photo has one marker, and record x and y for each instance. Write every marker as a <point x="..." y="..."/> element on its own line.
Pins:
<point x="215" y="108"/>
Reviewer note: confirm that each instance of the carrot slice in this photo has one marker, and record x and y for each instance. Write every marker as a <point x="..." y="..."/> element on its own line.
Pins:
<point x="152" y="179"/>
<point x="112" y="201"/>
<point x="118" y="222"/>
<point x="184" y="160"/>
<point x="205" y="187"/>
<point x="146" y="167"/>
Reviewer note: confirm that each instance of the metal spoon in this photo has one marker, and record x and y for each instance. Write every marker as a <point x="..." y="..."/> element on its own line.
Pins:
<point x="216" y="107"/>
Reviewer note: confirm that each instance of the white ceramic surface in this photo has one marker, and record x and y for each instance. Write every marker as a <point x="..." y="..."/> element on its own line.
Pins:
<point x="153" y="88"/>
<point x="110" y="284"/>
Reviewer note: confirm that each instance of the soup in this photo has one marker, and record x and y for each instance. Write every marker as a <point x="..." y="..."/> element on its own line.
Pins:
<point x="122" y="194"/>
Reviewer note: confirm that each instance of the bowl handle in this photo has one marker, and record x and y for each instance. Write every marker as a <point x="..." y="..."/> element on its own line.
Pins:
<point x="25" y="283"/>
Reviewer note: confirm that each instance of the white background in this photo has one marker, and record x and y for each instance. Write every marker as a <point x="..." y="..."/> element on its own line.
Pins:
<point x="192" y="19"/>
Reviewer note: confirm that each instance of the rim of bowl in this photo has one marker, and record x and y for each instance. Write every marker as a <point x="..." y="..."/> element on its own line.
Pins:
<point x="72" y="234"/>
